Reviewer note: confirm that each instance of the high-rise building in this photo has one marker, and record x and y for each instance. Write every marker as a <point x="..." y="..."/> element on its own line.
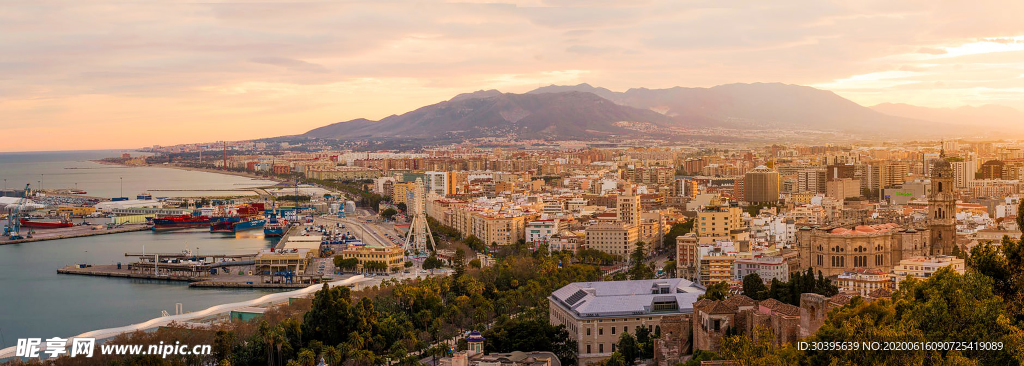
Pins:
<point x="629" y="208"/>
<point x="761" y="185"/>
<point x="839" y="171"/>
<point x="718" y="221"/>
<point x="992" y="169"/>
<point x="613" y="238"/>
<point x="439" y="183"/>
<point x="963" y="172"/>
<point x="810" y="181"/>
<point x="842" y="189"/>
<point x="942" y="209"/>
<point x="892" y="174"/>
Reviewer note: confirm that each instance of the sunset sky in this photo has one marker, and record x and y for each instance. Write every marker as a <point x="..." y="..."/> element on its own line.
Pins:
<point x="133" y="74"/>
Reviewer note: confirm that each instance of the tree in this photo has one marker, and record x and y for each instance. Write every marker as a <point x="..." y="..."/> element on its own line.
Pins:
<point x="432" y="262"/>
<point x="475" y="263"/>
<point x="459" y="263"/>
<point x="347" y="264"/>
<point x="531" y="334"/>
<point x="329" y="318"/>
<point x="758" y="350"/>
<point x="629" y="348"/>
<point x="475" y="243"/>
<point x="388" y="213"/>
<point x="639" y="270"/>
<point x="676" y="231"/>
<point x="670" y="269"/>
<point x="716" y="291"/>
<point x="754" y="287"/>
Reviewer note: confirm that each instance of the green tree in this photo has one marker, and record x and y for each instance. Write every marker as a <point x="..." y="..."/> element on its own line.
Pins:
<point x="388" y="213"/>
<point x="757" y="350"/>
<point x="432" y="262"/>
<point x="754" y="287"/>
<point x="638" y="269"/>
<point x="716" y="291"/>
<point x="475" y="243"/>
<point x="347" y="264"/>
<point x="532" y="334"/>
<point x="329" y="320"/>
<point x="629" y="348"/>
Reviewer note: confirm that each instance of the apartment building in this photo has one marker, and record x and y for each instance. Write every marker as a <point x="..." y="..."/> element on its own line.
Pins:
<point x="613" y="238"/>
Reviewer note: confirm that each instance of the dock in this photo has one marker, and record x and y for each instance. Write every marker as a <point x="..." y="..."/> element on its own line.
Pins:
<point x="112" y="271"/>
<point x="72" y="232"/>
<point x="218" y="284"/>
<point x="199" y="276"/>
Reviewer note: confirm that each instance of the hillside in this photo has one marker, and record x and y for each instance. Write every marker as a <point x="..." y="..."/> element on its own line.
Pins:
<point x="491" y="113"/>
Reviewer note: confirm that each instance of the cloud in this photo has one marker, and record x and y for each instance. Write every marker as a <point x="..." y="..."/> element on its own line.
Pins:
<point x="291" y="64"/>
<point x="931" y="51"/>
<point x="229" y="69"/>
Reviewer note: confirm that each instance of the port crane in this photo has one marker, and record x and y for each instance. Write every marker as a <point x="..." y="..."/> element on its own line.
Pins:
<point x="13" y="229"/>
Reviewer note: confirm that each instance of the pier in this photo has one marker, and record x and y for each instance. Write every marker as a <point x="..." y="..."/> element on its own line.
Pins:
<point x="200" y="270"/>
<point x="72" y="232"/>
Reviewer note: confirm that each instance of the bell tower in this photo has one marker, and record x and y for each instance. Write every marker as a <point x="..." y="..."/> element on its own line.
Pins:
<point x="942" y="208"/>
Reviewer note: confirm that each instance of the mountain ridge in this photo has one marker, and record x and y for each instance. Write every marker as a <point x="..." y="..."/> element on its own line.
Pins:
<point x="586" y="111"/>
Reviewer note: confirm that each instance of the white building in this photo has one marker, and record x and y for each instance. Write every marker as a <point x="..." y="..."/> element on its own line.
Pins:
<point x="924" y="267"/>
<point x="540" y="231"/>
<point x="767" y="267"/>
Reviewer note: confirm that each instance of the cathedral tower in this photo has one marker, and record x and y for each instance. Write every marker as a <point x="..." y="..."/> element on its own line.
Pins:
<point x="942" y="209"/>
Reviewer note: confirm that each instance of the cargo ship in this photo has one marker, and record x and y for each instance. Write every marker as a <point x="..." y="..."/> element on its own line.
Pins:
<point x="46" y="224"/>
<point x="274" y="226"/>
<point x="241" y="224"/>
<point x="245" y="217"/>
<point x="186" y="221"/>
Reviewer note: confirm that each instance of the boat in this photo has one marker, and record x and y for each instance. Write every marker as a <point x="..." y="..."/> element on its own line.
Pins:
<point x="76" y="191"/>
<point x="186" y="221"/>
<point x="274" y="227"/>
<point x="46" y="224"/>
<point x="245" y="217"/>
<point x="242" y="224"/>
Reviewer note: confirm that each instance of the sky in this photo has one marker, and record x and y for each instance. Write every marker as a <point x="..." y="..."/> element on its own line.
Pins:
<point x="94" y="74"/>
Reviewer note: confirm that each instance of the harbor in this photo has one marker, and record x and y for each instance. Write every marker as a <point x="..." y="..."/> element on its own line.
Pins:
<point x="74" y="232"/>
<point x="289" y="264"/>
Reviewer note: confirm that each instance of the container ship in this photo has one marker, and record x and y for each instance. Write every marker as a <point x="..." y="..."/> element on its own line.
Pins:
<point x="46" y="224"/>
<point x="186" y="221"/>
<point x="274" y="226"/>
<point x="240" y="224"/>
<point x="246" y="217"/>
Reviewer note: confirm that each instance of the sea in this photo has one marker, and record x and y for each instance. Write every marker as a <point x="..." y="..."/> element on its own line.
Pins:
<point x="39" y="303"/>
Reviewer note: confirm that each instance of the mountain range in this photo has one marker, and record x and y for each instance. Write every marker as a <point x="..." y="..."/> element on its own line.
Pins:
<point x="584" y="112"/>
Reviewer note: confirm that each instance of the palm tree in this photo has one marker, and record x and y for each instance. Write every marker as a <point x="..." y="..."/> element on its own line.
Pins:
<point x="332" y="356"/>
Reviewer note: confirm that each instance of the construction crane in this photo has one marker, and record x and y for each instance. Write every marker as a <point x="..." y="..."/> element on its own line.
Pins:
<point x="13" y="229"/>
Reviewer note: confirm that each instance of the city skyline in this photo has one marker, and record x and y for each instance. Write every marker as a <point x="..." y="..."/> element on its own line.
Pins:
<point x="92" y="76"/>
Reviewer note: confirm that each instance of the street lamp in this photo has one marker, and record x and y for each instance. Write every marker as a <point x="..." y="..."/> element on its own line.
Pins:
<point x="122" y="185"/>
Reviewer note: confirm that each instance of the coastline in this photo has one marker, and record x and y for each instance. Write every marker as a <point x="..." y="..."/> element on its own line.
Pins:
<point x="206" y="170"/>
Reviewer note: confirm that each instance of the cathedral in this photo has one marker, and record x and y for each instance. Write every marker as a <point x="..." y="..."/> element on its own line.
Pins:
<point x="941" y="209"/>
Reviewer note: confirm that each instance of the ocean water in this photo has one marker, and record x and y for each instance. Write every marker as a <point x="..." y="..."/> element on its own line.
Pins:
<point x="75" y="170"/>
<point x="38" y="302"/>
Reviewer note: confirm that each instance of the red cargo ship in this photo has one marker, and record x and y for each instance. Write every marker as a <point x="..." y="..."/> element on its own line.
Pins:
<point x="181" y="222"/>
<point x="46" y="224"/>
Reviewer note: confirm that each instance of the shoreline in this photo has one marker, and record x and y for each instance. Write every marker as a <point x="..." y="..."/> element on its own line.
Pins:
<point x="206" y="170"/>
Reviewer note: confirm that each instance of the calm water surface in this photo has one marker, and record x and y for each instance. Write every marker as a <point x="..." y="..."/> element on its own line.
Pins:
<point x="37" y="302"/>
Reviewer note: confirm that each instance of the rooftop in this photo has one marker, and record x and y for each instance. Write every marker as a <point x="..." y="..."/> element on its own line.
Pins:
<point x="628" y="298"/>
